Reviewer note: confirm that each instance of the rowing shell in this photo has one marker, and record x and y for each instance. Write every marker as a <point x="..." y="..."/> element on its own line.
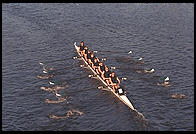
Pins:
<point x="123" y="98"/>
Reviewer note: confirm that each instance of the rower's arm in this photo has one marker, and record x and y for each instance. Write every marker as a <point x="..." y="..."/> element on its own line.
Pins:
<point x="94" y="67"/>
<point x="110" y="80"/>
<point x="83" y="52"/>
<point x="118" y="80"/>
<point x="99" y="68"/>
<point x="102" y="74"/>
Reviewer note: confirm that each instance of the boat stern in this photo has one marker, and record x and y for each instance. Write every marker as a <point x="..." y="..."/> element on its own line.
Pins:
<point x="127" y="102"/>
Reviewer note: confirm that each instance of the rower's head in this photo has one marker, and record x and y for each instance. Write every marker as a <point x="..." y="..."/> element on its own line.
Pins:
<point x="113" y="74"/>
<point x="100" y="63"/>
<point x="117" y="86"/>
<point x="96" y="59"/>
<point x="86" y="47"/>
<point x="88" y="51"/>
<point x="92" y="55"/>
<point x="106" y="68"/>
<point x="82" y="43"/>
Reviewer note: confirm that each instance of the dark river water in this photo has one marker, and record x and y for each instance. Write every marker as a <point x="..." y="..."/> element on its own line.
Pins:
<point x="162" y="34"/>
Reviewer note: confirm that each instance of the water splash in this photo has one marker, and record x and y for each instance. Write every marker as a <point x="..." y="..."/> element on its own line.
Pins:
<point x="60" y="100"/>
<point x="44" y="76"/>
<point x="69" y="113"/>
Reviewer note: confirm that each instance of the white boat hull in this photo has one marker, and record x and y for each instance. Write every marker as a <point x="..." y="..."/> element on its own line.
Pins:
<point x="123" y="98"/>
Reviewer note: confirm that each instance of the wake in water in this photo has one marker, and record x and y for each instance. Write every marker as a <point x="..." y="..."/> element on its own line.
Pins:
<point x="60" y="100"/>
<point x="139" y="116"/>
<point x="44" y="76"/>
<point x="53" y="88"/>
<point x="178" y="96"/>
<point x="164" y="84"/>
<point x="69" y="113"/>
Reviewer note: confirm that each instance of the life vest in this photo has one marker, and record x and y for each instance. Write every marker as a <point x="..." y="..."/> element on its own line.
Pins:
<point x="107" y="74"/>
<point x="86" y="51"/>
<point x="88" y="55"/>
<point x="82" y="48"/>
<point x="114" y="79"/>
<point x="102" y="68"/>
<point x="92" y="59"/>
<point x="96" y="63"/>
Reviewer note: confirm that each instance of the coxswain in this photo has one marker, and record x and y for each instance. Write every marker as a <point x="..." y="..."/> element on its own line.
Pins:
<point x="106" y="74"/>
<point x="120" y="90"/>
<point x="95" y="64"/>
<point x="101" y="68"/>
<point x="114" y="81"/>
<point x="82" y="46"/>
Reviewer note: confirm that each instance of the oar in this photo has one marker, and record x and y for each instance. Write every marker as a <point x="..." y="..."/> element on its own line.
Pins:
<point x="124" y="78"/>
<point x="78" y="91"/>
<point x="140" y="59"/>
<point x="57" y="95"/>
<point x="100" y="87"/>
<point x="51" y="83"/>
<point x="41" y="63"/>
<point x="45" y="72"/>
<point x="82" y="66"/>
<point x="92" y="76"/>
<point x="75" y="57"/>
<point x="130" y="52"/>
<point x="96" y="51"/>
<point x="103" y="88"/>
<point x="113" y="68"/>
<point x="59" y="83"/>
<point x="56" y="71"/>
<point x="103" y="59"/>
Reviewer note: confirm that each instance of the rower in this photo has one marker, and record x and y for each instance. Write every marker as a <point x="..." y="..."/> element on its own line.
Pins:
<point x="87" y="56"/>
<point x="106" y="74"/>
<point x="84" y="51"/>
<point x="82" y="46"/>
<point x="114" y="81"/>
<point x="92" y="58"/>
<point x="101" y="68"/>
<point x="95" y="64"/>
